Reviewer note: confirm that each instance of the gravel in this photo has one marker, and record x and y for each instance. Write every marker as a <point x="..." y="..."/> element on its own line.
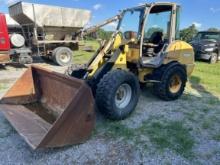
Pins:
<point x="193" y="108"/>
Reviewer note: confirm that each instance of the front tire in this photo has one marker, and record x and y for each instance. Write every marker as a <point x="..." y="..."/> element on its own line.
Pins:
<point x="172" y="84"/>
<point x="117" y="94"/>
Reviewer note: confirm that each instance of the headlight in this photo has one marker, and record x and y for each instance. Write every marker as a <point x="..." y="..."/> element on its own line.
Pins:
<point x="209" y="49"/>
<point x="210" y="45"/>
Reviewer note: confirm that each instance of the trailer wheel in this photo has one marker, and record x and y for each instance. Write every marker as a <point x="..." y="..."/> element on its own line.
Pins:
<point x="62" y="56"/>
<point x="117" y="94"/>
<point x="172" y="85"/>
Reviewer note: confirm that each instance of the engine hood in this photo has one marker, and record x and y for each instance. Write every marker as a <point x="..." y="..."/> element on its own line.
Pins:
<point x="203" y="45"/>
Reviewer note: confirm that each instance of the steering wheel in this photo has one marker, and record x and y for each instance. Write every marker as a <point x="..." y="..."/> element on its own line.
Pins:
<point x="150" y="45"/>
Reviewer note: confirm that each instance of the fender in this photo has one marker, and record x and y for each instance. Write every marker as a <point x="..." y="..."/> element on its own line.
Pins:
<point x="158" y="73"/>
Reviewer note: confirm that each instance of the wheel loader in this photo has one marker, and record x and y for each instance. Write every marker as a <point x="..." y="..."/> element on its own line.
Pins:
<point x="53" y="110"/>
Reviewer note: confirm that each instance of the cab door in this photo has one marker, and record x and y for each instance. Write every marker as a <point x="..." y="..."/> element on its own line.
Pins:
<point x="4" y="38"/>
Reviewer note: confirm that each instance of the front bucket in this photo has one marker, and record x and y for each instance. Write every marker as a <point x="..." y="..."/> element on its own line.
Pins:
<point x="49" y="109"/>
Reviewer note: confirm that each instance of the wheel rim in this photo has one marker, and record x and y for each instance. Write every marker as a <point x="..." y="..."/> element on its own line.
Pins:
<point x="175" y="84"/>
<point x="123" y="96"/>
<point x="64" y="57"/>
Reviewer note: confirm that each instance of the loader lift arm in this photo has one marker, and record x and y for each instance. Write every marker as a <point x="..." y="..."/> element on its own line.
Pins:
<point x="94" y="28"/>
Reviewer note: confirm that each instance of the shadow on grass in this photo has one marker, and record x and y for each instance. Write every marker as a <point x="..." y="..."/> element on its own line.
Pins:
<point x="196" y="84"/>
<point x="43" y="60"/>
<point x="36" y="60"/>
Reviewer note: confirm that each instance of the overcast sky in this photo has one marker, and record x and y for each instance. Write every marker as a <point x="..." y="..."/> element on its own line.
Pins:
<point x="203" y="13"/>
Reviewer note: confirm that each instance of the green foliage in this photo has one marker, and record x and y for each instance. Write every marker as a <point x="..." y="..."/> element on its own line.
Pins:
<point x="104" y="35"/>
<point x="214" y="30"/>
<point x="210" y="122"/>
<point x="6" y="129"/>
<point x="172" y="135"/>
<point x="116" y="129"/>
<point x="217" y="137"/>
<point x="82" y="57"/>
<point x="3" y="86"/>
<point x="163" y="134"/>
<point x="151" y="31"/>
<point x="99" y="34"/>
<point x="208" y="76"/>
<point x="207" y="124"/>
<point x="187" y="34"/>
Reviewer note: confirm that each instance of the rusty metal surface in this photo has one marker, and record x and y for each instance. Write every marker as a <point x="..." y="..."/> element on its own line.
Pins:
<point x="49" y="109"/>
<point x="22" y="92"/>
<point x="20" y="117"/>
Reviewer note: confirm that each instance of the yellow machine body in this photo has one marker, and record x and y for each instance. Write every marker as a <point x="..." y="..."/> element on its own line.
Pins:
<point x="177" y="51"/>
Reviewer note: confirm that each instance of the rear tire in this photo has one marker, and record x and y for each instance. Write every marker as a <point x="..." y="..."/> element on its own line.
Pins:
<point x="172" y="85"/>
<point x="214" y="58"/>
<point x="117" y="94"/>
<point x="62" y="56"/>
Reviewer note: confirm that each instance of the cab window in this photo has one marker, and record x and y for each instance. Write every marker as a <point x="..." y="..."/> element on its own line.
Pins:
<point x="158" y="22"/>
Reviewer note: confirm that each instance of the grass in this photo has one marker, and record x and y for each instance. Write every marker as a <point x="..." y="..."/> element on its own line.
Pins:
<point x="163" y="134"/>
<point x="172" y="135"/>
<point x="213" y="101"/>
<point x="217" y="137"/>
<point x="205" y="110"/>
<point x="80" y="56"/>
<point x="3" y="86"/>
<point x="210" y="122"/>
<point x="208" y="75"/>
<point x="115" y="130"/>
<point x="207" y="124"/>
<point x="6" y="130"/>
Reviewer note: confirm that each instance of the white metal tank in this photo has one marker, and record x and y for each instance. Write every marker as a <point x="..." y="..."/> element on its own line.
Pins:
<point x="49" y="16"/>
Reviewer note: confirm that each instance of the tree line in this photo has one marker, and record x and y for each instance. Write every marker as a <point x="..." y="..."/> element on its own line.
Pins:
<point x="188" y="33"/>
<point x="185" y="34"/>
<point x="100" y="34"/>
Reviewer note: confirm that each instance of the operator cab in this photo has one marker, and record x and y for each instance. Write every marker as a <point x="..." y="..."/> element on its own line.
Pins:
<point x="157" y="35"/>
<point x="152" y="28"/>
